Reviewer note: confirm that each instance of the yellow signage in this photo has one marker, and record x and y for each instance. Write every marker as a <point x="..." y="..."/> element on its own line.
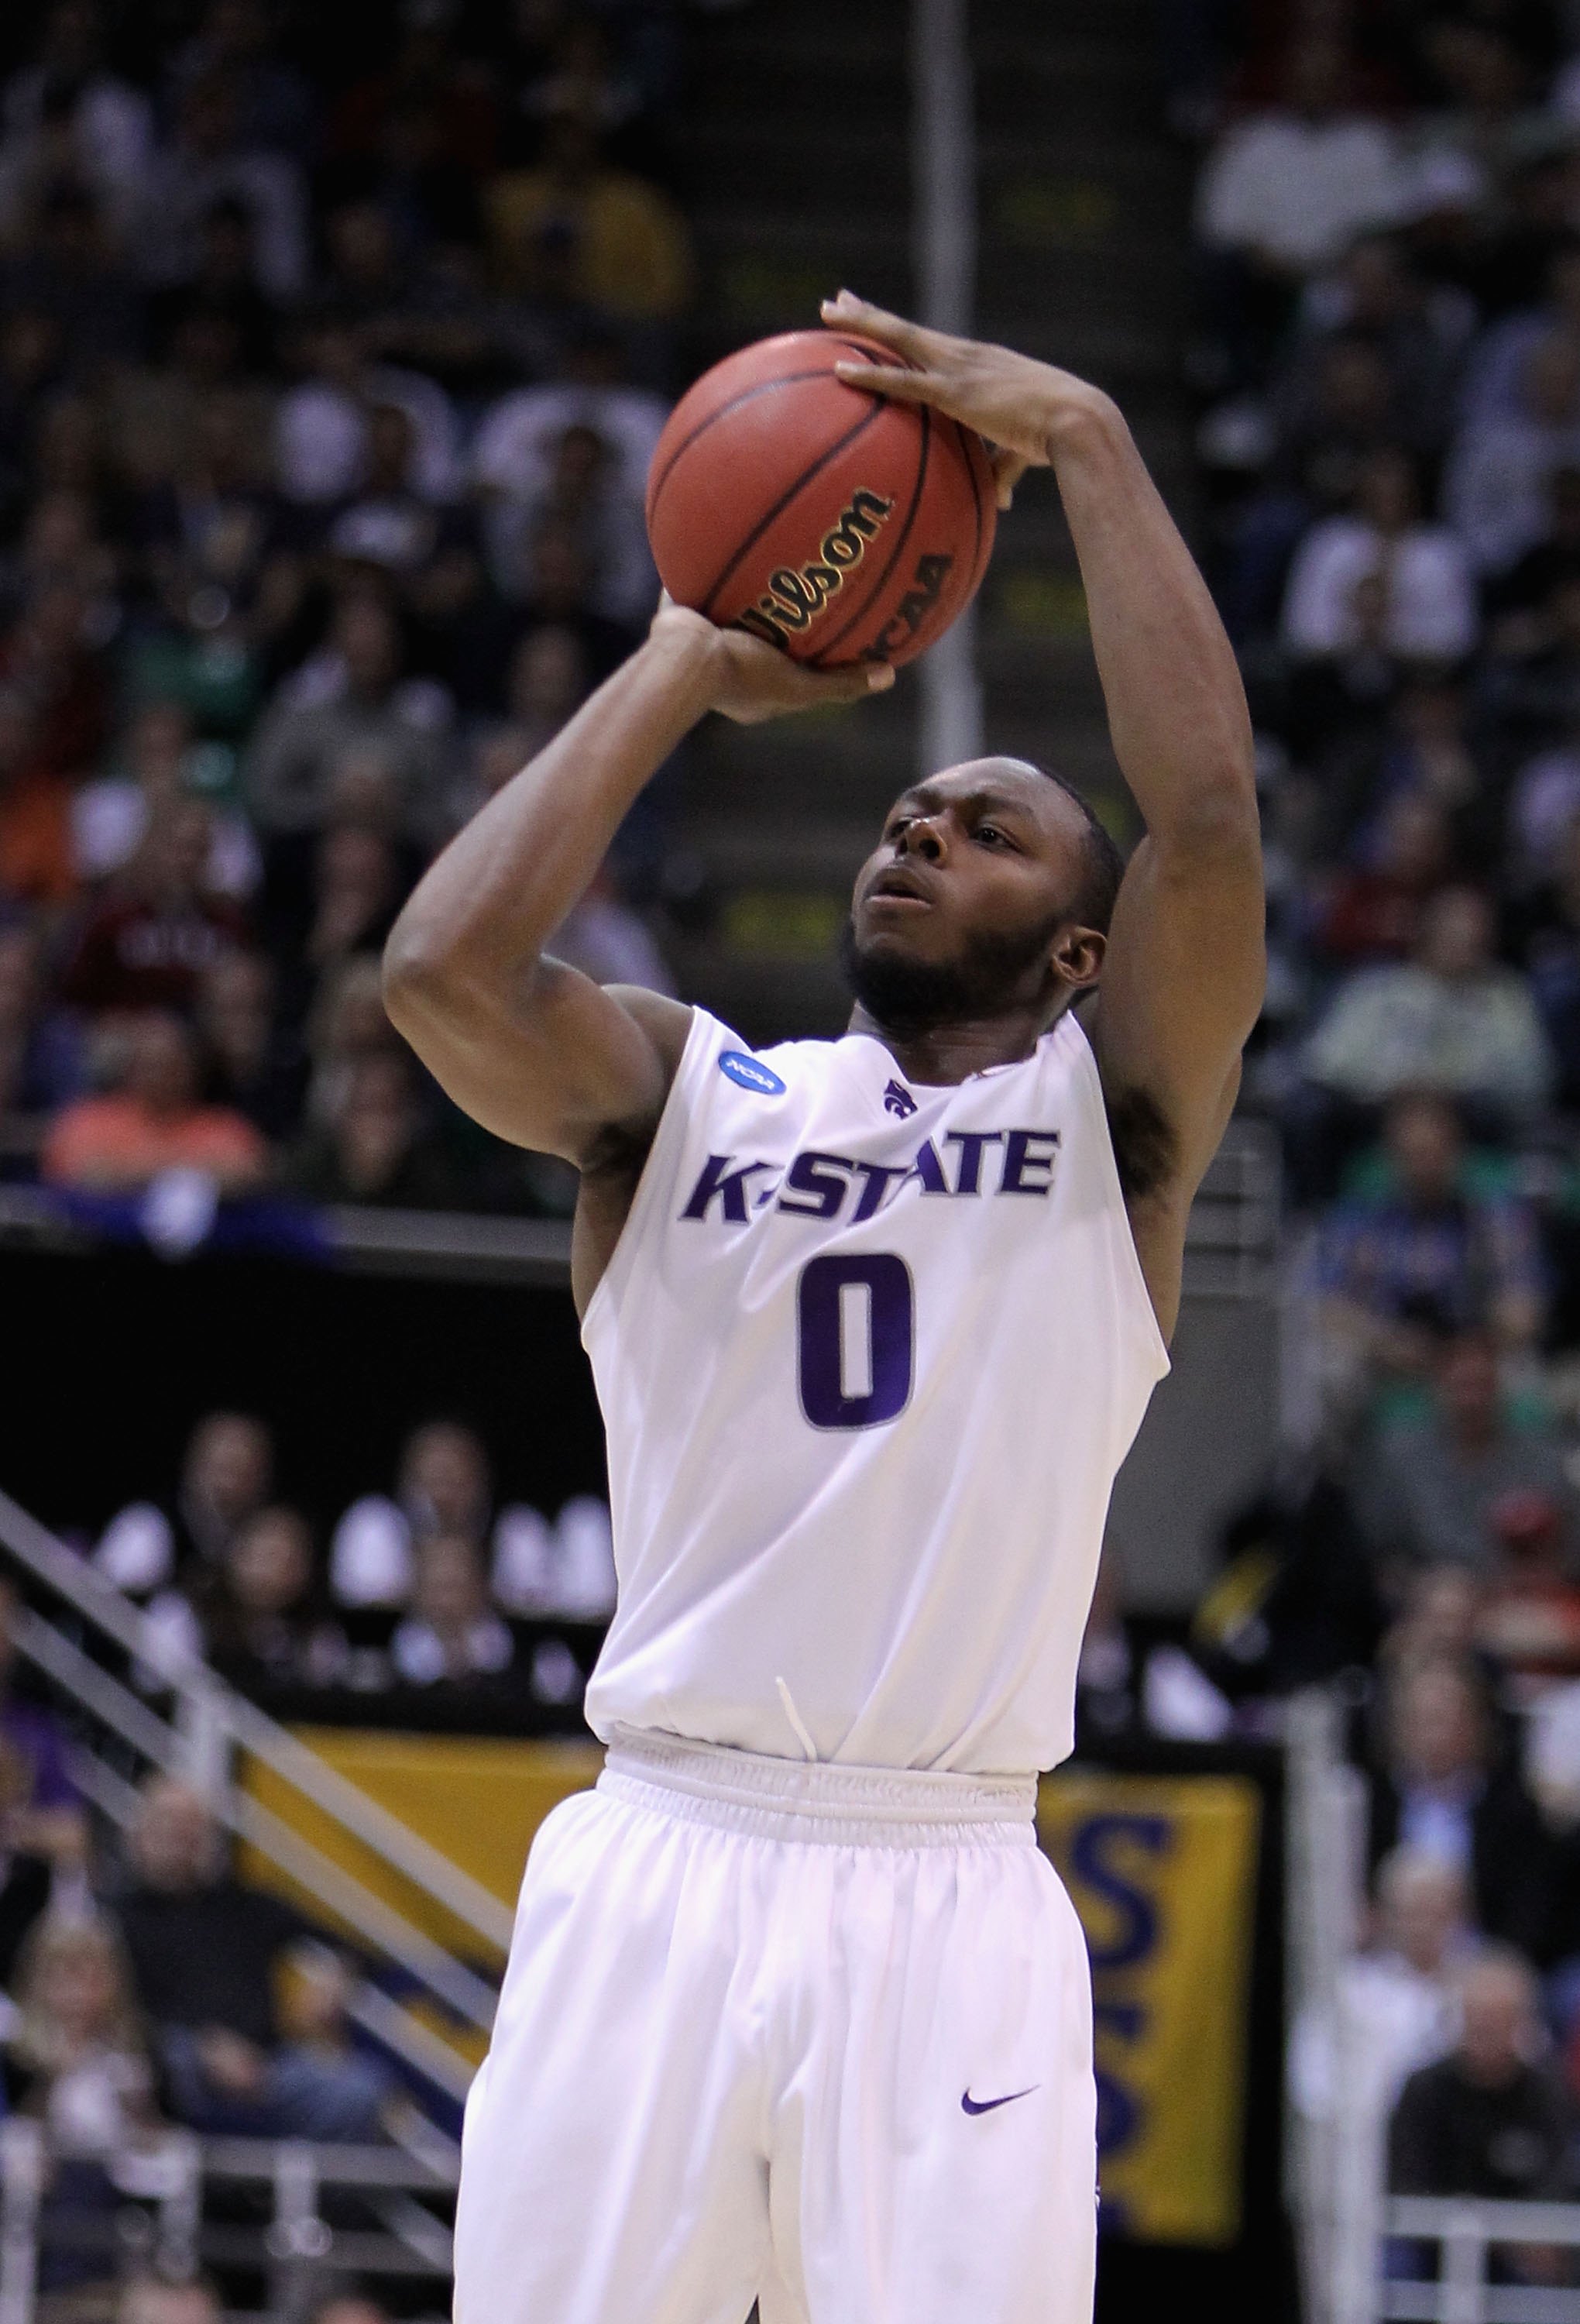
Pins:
<point x="1162" y="1872"/>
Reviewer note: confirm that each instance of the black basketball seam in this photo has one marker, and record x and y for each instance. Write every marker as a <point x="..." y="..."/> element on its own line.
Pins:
<point x="882" y="581"/>
<point x="783" y="503"/>
<point x="976" y="494"/>
<point x="746" y="395"/>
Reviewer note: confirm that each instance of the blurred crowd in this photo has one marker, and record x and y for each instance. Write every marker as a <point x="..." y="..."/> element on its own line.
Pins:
<point x="145" y="1988"/>
<point x="428" y="1584"/>
<point x="1387" y="362"/>
<point x="333" y="348"/>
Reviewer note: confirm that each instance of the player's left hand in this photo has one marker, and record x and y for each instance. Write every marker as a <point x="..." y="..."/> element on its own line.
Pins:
<point x="1013" y="401"/>
<point x="750" y="680"/>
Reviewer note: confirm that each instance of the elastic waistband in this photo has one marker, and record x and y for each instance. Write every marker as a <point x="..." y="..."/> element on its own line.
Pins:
<point x="829" y="1806"/>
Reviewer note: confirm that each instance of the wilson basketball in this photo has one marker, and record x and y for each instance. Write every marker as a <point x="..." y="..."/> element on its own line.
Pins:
<point x="836" y="524"/>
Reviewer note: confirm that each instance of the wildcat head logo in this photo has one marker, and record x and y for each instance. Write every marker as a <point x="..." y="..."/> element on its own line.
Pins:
<point x="897" y="1100"/>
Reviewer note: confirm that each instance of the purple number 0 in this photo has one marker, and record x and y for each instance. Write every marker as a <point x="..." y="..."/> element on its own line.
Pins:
<point x="856" y="1319"/>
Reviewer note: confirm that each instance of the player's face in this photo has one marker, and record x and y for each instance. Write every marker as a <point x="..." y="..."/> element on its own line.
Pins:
<point x="968" y="899"/>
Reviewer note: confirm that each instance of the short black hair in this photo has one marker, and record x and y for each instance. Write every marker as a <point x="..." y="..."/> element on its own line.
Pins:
<point x="1105" y="865"/>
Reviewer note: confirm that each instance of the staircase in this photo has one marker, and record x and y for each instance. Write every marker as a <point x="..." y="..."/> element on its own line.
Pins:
<point x="797" y="144"/>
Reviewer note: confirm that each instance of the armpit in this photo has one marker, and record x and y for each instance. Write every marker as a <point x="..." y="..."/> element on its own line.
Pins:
<point x="618" y="1153"/>
<point x="1145" y="1151"/>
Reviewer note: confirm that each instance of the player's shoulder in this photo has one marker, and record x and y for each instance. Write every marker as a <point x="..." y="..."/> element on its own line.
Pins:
<point x="715" y="1054"/>
<point x="667" y="1023"/>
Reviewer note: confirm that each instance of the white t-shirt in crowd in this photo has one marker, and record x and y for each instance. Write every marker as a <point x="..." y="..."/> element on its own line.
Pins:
<point x="1300" y="190"/>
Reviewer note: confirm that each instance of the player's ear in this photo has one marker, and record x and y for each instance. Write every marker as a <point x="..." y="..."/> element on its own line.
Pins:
<point x="1078" y="955"/>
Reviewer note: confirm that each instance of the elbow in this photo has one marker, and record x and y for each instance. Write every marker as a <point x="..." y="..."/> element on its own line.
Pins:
<point x="416" y="973"/>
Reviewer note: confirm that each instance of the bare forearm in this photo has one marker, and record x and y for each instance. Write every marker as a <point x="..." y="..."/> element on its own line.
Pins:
<point x="505" y="882"/>
<point x="1176" y="706"/>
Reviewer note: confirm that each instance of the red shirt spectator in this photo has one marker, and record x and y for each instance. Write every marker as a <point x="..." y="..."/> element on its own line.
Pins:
<point x="149" y="944"/>
<point x="1376" y="913"/>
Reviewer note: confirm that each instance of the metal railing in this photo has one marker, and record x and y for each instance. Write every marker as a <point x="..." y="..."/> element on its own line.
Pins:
<point x="1465" y="2233"/>
<point x="208" y="1726"/>
<point x="1331" y="2171"/>
<point x="1232" y="1238"/>
<point x="153" y="2215"/>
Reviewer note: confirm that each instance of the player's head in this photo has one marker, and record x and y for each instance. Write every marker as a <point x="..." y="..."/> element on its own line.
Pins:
<point x="990" y="891"/>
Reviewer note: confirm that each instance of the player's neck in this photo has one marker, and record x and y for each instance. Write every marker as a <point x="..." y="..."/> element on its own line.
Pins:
<point x="946" y="1053"/>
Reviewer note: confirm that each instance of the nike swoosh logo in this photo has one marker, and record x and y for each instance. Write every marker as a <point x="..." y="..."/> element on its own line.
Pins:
<point x="968" y="2104"/>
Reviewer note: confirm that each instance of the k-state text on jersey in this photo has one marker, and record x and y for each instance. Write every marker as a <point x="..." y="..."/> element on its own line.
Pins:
<point x="818" y="1186"/>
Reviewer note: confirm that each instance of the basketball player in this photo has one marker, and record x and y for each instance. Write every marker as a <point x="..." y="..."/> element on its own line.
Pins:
<point x="795" y="2010"/>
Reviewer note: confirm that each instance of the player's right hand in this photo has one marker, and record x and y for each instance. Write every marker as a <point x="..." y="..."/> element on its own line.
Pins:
<point x="752" y="680"/>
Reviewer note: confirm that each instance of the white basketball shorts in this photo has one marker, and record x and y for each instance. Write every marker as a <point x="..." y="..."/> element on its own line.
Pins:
<point x="815" y="2036"/>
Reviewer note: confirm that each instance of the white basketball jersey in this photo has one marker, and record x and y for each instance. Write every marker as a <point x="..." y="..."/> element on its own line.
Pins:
<point x="869" y="1353"/>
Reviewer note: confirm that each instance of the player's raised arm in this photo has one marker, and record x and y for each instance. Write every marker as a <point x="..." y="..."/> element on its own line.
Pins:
<point x="1182" y="981"/>
<point x="535" y="1051"/>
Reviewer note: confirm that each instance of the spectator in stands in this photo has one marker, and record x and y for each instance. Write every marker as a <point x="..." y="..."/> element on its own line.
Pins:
<point x="1419" y="331"/>
<point x="366" y="706"/>
<point x="1396" y="2009"/>
<point x="1374" y="912"/>
<point x="75" y="2057"/>
<point x="204" y="164"/>
<point x="65" y="259"/>
<point x="607" y="941"/>
<point x="1530" y="1618"/>
<point x="227" y="1473"/>
<point x="1498" y="490"/>
<point x="1546" y="938"/>
<point x="586" y="490"/>
<point x="1285" y="190"/>
<point x="1489" y="2119"/>
<point x="1451" y="1019"/>
<point x="388" y="521"/>
<point x="444" y="1486"/>
<point x="255" y="1067"/>
<point x="346" y="1025"/>
<point x="376" y="1149"/>
<point x="65" y="112"/>
<point x="358" y="888"/>
<point x="1427" y="608"/>
<point x="566" y="1569"/>
<point x="259" y="1617"/>
<point x="512" y="454"/>
<point x="205" y="1953"/>
<point x="1430" y="1490"/>
<point x="1429" y="1248"/>
<point x="549" y="679"/>
<point x="161" y="926"/>
<point x="156" y="1122"/>
<point x="319" y="2055"/>
<point x="42" y="1066"/>
<point x="452" y="1633"/>
<point x="1443" y="1791"/>
<point x="321" y="425"/>
<point x="1440" y="1610"/>
<point x="576" y="234"/>
<point x="157" y="769"/>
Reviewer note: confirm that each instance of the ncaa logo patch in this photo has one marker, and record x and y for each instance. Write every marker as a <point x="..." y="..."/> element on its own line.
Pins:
<point x="750" y="1073"/>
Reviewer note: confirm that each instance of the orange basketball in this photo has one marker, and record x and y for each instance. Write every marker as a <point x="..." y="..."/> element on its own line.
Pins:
<point x="838" y="525"/>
